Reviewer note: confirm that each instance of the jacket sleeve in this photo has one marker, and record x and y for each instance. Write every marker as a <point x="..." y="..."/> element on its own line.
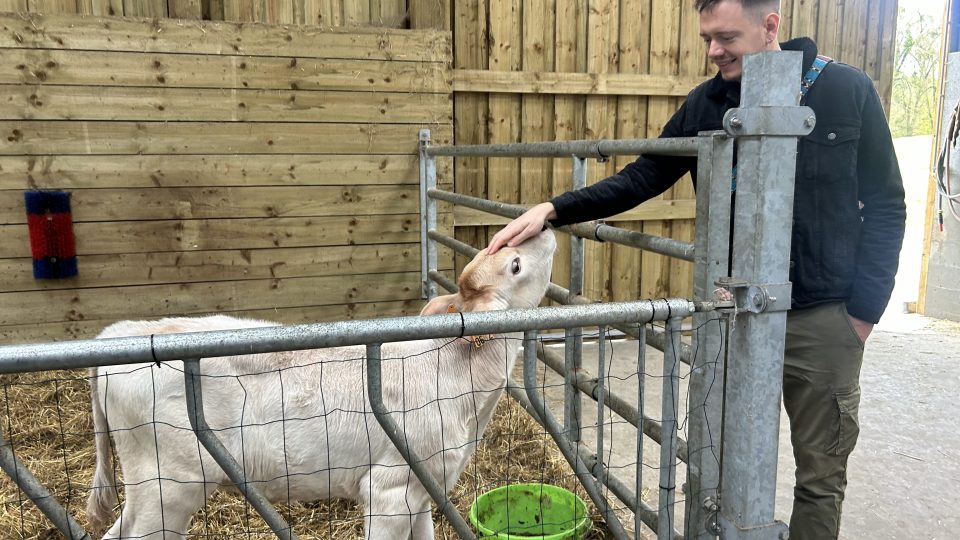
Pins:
<point x="880" y="190"/>
<point x="639" y="181"/>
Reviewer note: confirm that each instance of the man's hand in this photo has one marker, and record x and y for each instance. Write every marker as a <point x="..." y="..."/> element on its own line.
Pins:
<point x="525" y="226"/>
<point x="862" y="328"/>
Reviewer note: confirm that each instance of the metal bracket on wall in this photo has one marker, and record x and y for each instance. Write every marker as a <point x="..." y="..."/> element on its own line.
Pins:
<point x="770" y="121"/>
<point x="757" y="297"/>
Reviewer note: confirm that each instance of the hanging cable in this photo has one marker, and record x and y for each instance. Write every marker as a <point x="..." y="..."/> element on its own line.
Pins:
<point x="944" y="181"/>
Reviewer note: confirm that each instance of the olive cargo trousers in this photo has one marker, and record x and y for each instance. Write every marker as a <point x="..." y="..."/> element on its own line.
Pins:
<point x="821" y="393"/>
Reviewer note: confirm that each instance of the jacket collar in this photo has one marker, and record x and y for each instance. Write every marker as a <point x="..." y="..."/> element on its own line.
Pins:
<point x="718" y="89"/>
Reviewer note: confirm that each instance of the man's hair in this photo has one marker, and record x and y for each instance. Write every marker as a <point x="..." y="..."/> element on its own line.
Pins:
<point x="765" y="5"/>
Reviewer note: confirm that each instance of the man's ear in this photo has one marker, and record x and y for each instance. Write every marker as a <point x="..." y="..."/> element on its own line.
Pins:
<point x="448" y="303"/>
<point x="771" y="26"/>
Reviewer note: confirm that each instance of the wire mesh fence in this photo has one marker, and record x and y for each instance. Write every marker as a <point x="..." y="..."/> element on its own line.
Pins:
<point x="47" y="423"/>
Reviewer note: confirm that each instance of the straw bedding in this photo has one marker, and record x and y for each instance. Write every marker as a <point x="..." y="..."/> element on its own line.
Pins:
<point x="46" y="418"/>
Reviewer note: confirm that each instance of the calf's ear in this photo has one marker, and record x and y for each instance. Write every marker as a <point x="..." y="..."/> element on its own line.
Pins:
<point x="448" y="303"/>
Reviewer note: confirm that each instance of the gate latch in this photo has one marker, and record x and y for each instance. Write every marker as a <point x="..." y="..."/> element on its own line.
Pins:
<point x="754" y="297"/>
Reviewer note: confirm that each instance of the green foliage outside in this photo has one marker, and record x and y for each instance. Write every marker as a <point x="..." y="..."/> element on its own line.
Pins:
<point x="914" y="102"/>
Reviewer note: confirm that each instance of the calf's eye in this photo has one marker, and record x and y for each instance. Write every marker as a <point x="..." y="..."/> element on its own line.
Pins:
<point x="516" y="266"/>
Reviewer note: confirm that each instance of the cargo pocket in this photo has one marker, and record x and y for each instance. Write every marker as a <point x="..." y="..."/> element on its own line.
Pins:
<point x="848" y="423"/>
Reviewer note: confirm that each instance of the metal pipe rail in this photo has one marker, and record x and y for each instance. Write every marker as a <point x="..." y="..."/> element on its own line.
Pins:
<point x="627" y="496"/>
<point x="590" y="230"/>
<point x="655" y="338"/>
<point x="174" y="347"/>
<point x="596" y="149"/>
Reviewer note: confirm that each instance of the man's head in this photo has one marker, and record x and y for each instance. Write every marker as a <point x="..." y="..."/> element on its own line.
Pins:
<point x="734" y="28"/>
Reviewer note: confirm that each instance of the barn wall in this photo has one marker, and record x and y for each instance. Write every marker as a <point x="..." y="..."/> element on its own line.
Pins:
<point x="208" y="173"/>
<point x="580" y="69"/>
<point x="522" y="71"/>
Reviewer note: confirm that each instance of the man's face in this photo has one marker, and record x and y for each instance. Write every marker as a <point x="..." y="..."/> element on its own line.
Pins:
<point x="732" y="32"/>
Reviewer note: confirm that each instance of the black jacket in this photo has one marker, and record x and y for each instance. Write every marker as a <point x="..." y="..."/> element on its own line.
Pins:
<point x="849" y="210"/>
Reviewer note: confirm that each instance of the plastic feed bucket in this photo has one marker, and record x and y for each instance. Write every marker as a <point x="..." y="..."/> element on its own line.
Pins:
<point x="530" y="511"/>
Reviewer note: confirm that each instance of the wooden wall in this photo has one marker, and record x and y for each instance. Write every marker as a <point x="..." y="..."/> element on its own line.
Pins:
<point x="216" y="167"/>
<point x="104" y="125"/>
<point x="582" y="69"/>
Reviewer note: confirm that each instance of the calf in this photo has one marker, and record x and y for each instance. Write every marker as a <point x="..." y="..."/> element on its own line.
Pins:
<point x="300" y="423"/>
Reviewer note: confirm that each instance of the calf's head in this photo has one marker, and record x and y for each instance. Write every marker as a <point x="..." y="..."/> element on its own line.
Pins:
<point x="513" y="277"/>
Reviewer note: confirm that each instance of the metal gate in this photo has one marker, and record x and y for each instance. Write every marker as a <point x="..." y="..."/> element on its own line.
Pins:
<point x="735" y="362"/>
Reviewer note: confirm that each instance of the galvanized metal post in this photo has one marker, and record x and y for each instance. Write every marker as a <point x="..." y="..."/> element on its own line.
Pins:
<point x="236" y="473"/>
<point x="44" y="500"/>
<point x="705" y="394"/>
<point x="767" y="125"/>
<point x="390" y="427"/>
<point x="573" y="337"/>
<point x="428" y="216"/>
<point x="670" y="415"/>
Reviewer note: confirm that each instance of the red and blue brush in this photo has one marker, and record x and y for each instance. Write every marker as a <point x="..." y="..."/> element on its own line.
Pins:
<point x="51" y="234"/>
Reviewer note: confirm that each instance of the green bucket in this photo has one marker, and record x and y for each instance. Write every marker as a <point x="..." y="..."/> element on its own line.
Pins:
<point x="530" y="511"/>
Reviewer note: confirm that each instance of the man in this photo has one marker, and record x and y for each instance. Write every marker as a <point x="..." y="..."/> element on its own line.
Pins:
<point x="849" y="216"/>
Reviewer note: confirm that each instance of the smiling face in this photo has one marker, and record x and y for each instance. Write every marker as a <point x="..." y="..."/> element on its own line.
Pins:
<point x="732" y="31"/>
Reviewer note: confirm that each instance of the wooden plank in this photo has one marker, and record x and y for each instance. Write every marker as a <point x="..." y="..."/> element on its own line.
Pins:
<point x="44" y="137"/>
<point x="145" y="8"/>
<point x="213" y="10"/>
<point x="109" y="8"/>
<point x="203" y="297"/>
<point x="96" y="68"/>
<point x="129" y="269"/>
<point x="693" y="50"/>
<point x="664" y="55"/>
<point x="393" y="14"/>
<point x="88" y="329"/>
<point x="786" y="20"/>
<point x="13" y="6"/>
<point x="356" y="12"/>
<point x="196" y="234"/>
<point x="58" y="102"/>
<point x="536" y="111"/>
<point x="471" y="109"/>
<point x="569" y="57"/>
<point x="651" y="210"/>
<point x="874" y="39"/>
<point x="854" y="44"/>
<point x="52" y="7"/>
<point x="137" y="171"/>
<point x="830" y="29"/>
<point x="185" y="9"/>
<point x="210" y="37"/>
<point x="600" y="123"/>
<point x="634" y="46"/>
<point x="889" y="45"/>
<point x="805" y="17"/>
<point x="506" y="43"/>
<point x="279" y="12"/>
<point x="537" y="82"/>
<point x="430" y="14"/>
<point x="239" y="10"/>
<point x="230" y="202"/>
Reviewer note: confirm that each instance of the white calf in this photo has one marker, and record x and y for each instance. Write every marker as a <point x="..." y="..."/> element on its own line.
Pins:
<point x="300" y="423"/>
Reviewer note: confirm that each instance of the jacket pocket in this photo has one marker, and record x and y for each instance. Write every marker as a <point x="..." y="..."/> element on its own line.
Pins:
<point x="831" y="154"/>
<point x="847" y="427"/>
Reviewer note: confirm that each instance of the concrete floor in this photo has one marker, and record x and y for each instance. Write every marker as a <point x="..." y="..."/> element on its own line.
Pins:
<point x="904" y="476"/>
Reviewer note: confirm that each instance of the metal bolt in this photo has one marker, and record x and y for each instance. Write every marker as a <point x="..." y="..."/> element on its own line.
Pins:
<point x="710" y="505"/>
<point x="810" y="121"/>
<point x="735" y="122"/>
<point x="714" y="528"/>
<point x="758" y="300"/>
